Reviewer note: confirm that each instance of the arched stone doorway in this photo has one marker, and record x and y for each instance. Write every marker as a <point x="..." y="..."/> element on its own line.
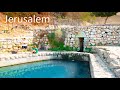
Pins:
<point x="82" y="40"/>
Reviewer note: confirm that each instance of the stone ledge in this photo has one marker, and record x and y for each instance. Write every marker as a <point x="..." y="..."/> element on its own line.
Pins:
<point x="110" y="58"/>
<point x="98" y="68"/>
<point x="21" y="58"/>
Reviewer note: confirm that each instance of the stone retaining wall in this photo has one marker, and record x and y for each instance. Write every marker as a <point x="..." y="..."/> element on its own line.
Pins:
<point x="9" y="42"/>
<point x="95" y="35"/>
<point x="103" y="35"/>
<point x="12" y="59"/>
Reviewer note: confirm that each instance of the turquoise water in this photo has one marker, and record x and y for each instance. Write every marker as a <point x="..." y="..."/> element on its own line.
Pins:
<point x="47" y="69"/>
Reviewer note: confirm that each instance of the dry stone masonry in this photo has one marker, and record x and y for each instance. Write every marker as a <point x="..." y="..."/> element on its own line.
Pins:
<point x="95" y="35"/>
<point x="99" y="35"/>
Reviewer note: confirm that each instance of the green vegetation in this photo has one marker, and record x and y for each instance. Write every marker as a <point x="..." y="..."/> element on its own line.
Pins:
<point x="34" y="44"/>
<point x="30" y="46"/>
<point x="59" y="15"/>
<point x="58" y="44"/>
<point x="89" y="48"/>
<point x="81" y="16"/>
<point x="104" y="14"/>
<point x="87" y="16"/>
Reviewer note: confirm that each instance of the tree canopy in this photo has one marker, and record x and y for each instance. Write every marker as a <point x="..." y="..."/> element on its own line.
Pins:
<point x="104" y="14"/>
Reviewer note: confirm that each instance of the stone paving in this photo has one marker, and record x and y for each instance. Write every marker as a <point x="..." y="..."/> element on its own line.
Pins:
<point x="98" y="67"/>
<point x="12" y="59"/>
<point x="110" y="55"/>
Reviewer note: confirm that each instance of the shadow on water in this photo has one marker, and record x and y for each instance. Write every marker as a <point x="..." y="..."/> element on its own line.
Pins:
<point x="48" y="69"/>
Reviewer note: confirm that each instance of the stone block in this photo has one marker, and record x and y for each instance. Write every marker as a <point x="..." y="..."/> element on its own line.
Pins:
<point x="107" y="30"/>
<point x="109" y="33"/>
<point x="2" y="59"/>
<point x="112" y="65"/>
<point x="108" y="39"/>
<point x="86" y="58"/>
<point x="92" y="36"/>
<point x="93" y="43"/>
<point x="16" y="57"/>
<point x="115" y="42"/>
<point x="6" y="58"/>
<point x="87" y="34"/>
<point x="98" y="31"/>
<point x="117" y="72"/>
<point x="92" y="33"/>
<point x="72" y="39"/>
<point x="12" y="57"/>
<point x="104" y="42"/>
<point x="112" y="39"/>
<point x="103" y="32"/>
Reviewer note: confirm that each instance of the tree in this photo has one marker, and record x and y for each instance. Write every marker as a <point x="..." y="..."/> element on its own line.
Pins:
<point x="60" y="15"/>
<point x="104" y="14"/>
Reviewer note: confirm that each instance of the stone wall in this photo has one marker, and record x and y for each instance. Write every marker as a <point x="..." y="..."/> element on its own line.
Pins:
<point x="104" y="35"/>
<point x="100" y="35"/>
<point x="95" y="35"/>
<point x="10" y="42"/>
<point x="14" y="59"/>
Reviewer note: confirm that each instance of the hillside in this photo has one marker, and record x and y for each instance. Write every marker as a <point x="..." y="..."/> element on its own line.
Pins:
<point x="111" y="20"/>
<point x="83" y="17"/>
<point x="17" y="29"/>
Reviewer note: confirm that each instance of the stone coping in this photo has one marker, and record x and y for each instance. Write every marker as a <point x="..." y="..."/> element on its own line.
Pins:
<point x="110" y="55"/>
<point x="98" y="68"/>
<point x="29" y="57"/>
<point x="13" y="59"/>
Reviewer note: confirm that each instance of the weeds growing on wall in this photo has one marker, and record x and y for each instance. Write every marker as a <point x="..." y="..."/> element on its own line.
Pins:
<point x="58" y="44"/>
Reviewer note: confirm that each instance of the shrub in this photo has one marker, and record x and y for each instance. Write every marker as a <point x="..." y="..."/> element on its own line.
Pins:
<point x="88" y="49"/>
<point x="58" y="44"/>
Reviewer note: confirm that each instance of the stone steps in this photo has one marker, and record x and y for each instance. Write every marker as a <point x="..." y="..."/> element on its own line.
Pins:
<point x="110" y="58"/>
<point x="99" y="69"/>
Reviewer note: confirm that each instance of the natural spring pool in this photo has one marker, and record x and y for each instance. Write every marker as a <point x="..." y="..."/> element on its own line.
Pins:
<point x="48" y="69"/>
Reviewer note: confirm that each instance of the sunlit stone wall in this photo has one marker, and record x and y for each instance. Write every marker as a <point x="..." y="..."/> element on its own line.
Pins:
<point x="95" y="35"/>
